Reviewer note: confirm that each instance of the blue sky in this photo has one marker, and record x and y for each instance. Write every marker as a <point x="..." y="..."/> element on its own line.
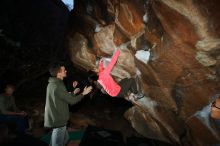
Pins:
<point x="69" y="3"/>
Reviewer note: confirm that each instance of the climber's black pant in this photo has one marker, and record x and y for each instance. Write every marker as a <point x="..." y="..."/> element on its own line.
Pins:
<point x="127" y="84"/>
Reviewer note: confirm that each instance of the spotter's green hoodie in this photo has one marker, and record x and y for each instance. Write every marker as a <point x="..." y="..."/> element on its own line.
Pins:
<point x="57" y="100"/>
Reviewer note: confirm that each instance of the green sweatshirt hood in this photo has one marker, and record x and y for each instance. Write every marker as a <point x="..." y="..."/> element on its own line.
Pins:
<point x="54" y="79"/>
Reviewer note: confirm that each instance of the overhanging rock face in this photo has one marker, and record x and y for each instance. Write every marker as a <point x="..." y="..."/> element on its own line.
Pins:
<point x="177" y="69"/>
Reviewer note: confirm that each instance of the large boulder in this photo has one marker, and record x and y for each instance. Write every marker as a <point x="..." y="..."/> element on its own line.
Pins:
<point x="180" y="73"/>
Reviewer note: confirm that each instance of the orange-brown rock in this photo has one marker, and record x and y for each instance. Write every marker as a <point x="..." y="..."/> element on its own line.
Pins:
<point x="183" y="69"/>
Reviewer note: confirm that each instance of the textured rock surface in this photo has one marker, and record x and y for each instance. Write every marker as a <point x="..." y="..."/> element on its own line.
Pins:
<point x="182" y="73"/>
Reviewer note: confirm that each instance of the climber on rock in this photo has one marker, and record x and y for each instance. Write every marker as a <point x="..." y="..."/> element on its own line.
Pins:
<point x="106" y="83"/>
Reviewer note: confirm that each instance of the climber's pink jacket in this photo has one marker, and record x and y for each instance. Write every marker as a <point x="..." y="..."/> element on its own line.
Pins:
<point x="105" y="79"/>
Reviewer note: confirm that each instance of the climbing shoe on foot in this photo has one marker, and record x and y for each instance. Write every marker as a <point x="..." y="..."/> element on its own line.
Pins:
<point x="138" y="96"/>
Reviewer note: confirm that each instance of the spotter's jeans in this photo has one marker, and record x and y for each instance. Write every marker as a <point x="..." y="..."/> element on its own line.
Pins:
<point x="59" y="136"/>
